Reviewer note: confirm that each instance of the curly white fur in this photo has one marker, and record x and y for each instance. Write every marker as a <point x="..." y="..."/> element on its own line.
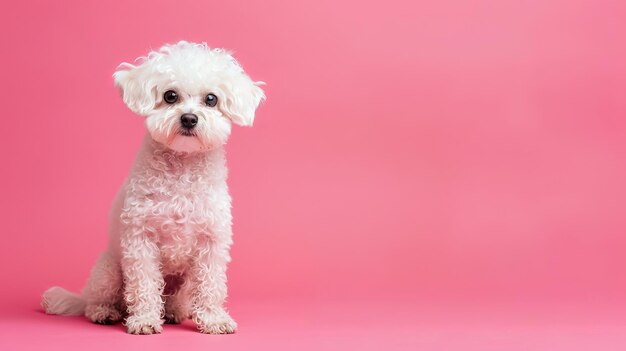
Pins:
<point x="170" y="227"/>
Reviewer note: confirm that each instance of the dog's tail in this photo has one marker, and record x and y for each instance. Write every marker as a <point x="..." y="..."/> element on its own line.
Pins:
<point x="57" y="300"/>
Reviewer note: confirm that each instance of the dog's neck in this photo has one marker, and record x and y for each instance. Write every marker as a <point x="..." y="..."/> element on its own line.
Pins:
<point x="160" y="158"/>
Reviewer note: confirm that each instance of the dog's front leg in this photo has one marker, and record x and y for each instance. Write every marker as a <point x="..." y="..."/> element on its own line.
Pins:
<point x="143" y="283"/>
<point x="209" y="293"/>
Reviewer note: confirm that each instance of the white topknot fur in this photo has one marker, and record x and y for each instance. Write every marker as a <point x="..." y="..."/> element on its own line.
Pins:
<point x="170" y="228"/>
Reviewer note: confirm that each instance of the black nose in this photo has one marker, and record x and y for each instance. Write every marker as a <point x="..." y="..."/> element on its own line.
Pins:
<point x="188" y="120"/>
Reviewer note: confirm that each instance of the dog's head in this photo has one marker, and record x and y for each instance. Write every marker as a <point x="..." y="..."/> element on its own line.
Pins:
<point x="190" y="94"/>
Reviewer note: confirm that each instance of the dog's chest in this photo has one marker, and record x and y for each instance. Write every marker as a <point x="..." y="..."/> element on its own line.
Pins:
<point x="181" y="206"/>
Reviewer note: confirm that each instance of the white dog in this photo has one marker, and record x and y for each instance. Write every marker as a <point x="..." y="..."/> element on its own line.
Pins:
<point x="170" y="229"/>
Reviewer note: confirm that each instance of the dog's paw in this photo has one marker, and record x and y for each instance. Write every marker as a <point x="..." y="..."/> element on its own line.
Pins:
<point x="175" y="315"/>
<point x="139" y="325"/>
<point x="215" y="322"/>
<point x="103" y="314"/>
<point x="221" y="327"/>
<point x="174" y="318"/>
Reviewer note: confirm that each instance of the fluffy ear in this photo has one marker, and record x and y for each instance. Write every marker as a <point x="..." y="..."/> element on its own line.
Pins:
<point x="242" y="97"/>
<point x="138" y="90"/>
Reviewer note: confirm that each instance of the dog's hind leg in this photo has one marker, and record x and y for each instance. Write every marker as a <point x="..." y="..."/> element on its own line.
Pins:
<point x="177" y="299"/>
<point x="104" y="291"/>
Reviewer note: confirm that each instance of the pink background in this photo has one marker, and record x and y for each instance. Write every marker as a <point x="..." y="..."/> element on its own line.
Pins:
<point x="424" y="174"/>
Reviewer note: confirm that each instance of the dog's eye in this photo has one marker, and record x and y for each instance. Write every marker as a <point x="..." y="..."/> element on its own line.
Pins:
<point x="211" y="100"/>
<point x="170" y="96"/>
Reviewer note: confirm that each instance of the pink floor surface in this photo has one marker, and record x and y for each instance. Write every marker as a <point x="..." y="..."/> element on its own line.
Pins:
<point x="294" y="325"/>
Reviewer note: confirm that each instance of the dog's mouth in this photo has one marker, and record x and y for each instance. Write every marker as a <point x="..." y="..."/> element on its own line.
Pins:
<point x="187" y="133"/>
<point x="186" y="140"/>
